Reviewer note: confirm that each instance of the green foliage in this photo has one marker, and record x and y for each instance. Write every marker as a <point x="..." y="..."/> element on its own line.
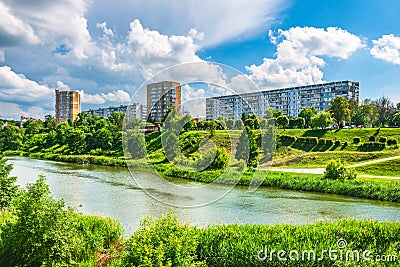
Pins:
<point x="243" y="149"/>
<point x="391" y="142"/>
<point x="356" y="140"/>
<point x="335" y="170"/>
<point x="372" y="146"/>
<point x="161" y="242"/>
<point x="10" y="138"/>
<point x="307" y="114"/>
<point x="286" y="140"/>
<point x="33" y="126"/>
<point x="45" y="233"/>
<point x="297" y="123"/>
<point x="340" y="110"/>
<point x="170" y="144"/>
<point x="221" y="160"/>
<point x="322" y="120"/>
<point x="282" y="121"/>
<point x="8" y="189"/>
<point x="382" y="140"/>
<point x="136" y="145"/>
<point x="371" y="138"/>
<point x="240" y="245"/>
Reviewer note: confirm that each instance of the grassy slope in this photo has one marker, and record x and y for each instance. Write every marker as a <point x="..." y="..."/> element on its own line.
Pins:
<point x="387" y="168"/>
<point x="293" y="158"/>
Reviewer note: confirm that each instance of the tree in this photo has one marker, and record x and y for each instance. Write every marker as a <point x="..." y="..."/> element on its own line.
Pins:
<point x="238" y="125"/>
<point x="170" y="144"/>
<point x="8" y="189"/>
<point x="76" y="140"/>
<point x="242" y="148"/>
<point x="247" y="148"/>
<point x="230" y="124"/>
<point x="10" y="138"/>
<point x="50" y="122"/>
<point x="282" y="121"/>
<point x="33" y="126"/>
<point x="296" y="123"/>
<point x="307" y="114"/>
<point x="385" y="110"/>
<point x="322" y="120"/>
<point x="136" y="145"/>
<point x="272" y="113"/>
<point x="340" y="110"/>
<point x="221" y="159"/>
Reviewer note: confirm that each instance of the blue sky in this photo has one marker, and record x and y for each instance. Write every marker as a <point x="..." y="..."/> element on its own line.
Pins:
<point x="107" y="49"/>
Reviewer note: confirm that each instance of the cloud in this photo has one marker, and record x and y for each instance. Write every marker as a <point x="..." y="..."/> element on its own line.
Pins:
<point x="221" y="21"/>
<point x="50" y="23"/>
<point x="300" y="55"/>
<point x="103" y="26"/>
<point x="194" y="101"/>
<point x="16" y="87"/>
<point x="14" y="111"/>
<point x="118" y="96"/>
<point x="14" y="31"/>
<point x="387" y="48"/>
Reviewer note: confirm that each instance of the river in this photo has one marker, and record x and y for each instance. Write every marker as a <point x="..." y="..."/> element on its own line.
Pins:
<point x="111" y="191"/>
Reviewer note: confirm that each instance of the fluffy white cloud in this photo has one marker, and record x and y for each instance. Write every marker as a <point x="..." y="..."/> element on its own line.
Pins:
<point x="118" y="96"/>
<point x="14" y="111"/>
<point x="387" y="48"/>
<point x="14" y="31"/>
<point x="49" y="22"/>
<point x="300" y="55"/>
<point x="221" y="21"/>
<point x="194" y="100"/>
<point x="103" y="27"/>
<point x="17" y="87"/>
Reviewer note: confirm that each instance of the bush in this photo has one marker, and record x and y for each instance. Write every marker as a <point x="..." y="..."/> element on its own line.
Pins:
<point x="337" y="143"/>
<point x="286" y="140"/>
<point x="372" y="138"/>
<point x="356" y="140"/>
<point x="45" y="233"/>
<point x="372" y="146"/>
<point x="382" y="140"/>
<point x="161" y="242"/>
<point x="391" y="142"/>
<point x="335" y="170"/>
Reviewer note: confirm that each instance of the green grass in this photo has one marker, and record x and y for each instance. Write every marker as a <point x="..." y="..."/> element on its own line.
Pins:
<point x="167" y="242"/>
<point x="292" y="158"/>
<point x="387" y="168"/>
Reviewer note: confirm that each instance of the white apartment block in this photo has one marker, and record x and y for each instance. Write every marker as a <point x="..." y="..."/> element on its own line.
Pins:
<point x="132" y="111"/>
<point x="289" y="100"/>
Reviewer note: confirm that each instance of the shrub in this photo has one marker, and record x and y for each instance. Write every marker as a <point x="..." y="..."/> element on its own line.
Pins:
<point x="391" y="142"/>
<point x="382" y="140"/>
<point x="335" y="170"/>
<point x="337" y="143"/>
<point x="161" y="242"/>
<point x="45" y="233"/>
<point x="372" y="146"/>
<point x="356" y="140"/>
<point x="286" y="140"/>
<point x="372" y="138"/>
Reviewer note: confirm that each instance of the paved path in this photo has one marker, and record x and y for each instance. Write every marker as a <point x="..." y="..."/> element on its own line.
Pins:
<point x="322" y="170"/>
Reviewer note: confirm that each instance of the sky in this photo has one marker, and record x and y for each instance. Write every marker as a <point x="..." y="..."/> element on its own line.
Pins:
<point x="107" y="50"/>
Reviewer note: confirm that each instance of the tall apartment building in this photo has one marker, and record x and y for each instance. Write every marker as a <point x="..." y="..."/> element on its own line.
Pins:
<point x="289" y="100"/>
<point x="160" y="97"/>
<point x="68" y="105"/>
<point x="132" y="111"/>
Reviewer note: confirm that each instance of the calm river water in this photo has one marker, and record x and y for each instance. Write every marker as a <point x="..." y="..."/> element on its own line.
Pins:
<point x="111" y="191"/>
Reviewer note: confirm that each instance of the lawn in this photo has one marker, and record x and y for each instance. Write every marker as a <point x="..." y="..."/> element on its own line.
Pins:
<point x="387" y="168"/>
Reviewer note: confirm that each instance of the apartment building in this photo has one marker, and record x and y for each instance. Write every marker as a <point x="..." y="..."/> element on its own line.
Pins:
<point x="160" y="97"/>
<point x="289" y="100"/>
<point x="132" y="111"/>
<point x="68" y="105"/>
